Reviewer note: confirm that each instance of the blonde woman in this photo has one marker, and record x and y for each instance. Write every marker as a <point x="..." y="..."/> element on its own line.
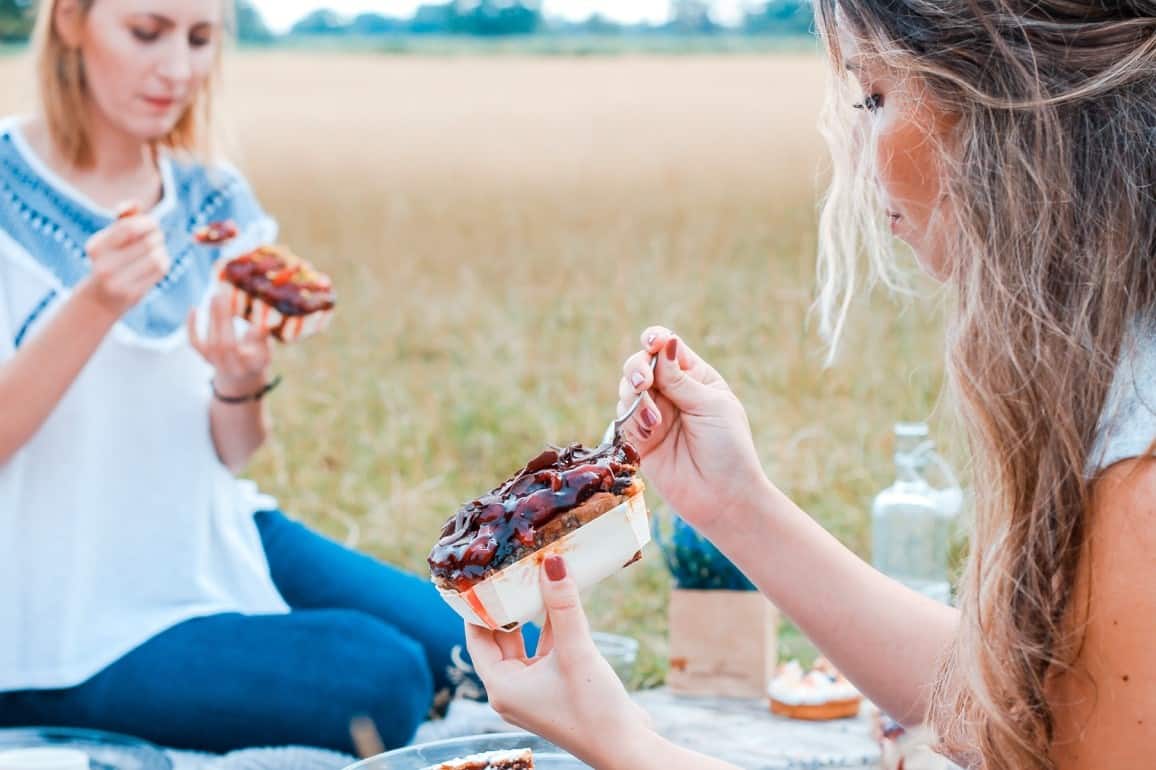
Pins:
<point x="1012" y="145"/>
<point x="147" y="590"/>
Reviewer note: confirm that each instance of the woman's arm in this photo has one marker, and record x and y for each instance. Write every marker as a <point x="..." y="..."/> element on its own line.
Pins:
<point x="241" y="365"/>
<point x="885" y="637"/>
<point x="39" y="374"/>
<point x="128" y="259"/>
<point x="239" y="430"/>
<point x="650" y="751"/>
<point x="1105" y="707"/>
<point x="697" y="449"/>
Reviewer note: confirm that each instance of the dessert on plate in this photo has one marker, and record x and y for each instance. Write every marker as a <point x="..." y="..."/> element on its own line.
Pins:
<point x="816" y="695"/>
<point x="514" y="759"/>
<point x="586" y="504"/>
<point x="275" y="289"/>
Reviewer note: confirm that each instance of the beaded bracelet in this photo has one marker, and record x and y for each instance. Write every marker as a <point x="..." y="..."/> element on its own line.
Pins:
<point x="260" y="394"/>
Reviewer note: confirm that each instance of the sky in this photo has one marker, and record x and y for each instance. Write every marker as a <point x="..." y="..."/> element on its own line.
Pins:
<point x="280" y="14"/>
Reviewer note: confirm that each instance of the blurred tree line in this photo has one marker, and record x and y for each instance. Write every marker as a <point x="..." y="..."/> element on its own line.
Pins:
<point x="484" y="18"/>
<point x="15" y="20"/>
<point x="491" y="18"/>
<point x="481" y="18"/>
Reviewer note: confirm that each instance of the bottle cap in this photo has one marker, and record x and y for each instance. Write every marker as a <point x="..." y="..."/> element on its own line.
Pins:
<point x="911" y="429"/>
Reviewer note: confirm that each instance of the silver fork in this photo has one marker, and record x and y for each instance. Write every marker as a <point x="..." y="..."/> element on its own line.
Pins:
<point x="616" y="425"/>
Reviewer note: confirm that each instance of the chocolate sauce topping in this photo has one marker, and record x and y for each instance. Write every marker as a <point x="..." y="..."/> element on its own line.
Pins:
<point x="486" y="532"/>
<point x="289" y="286"/>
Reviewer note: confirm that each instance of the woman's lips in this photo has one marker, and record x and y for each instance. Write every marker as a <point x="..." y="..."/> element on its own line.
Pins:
<point x="159" y="103"/>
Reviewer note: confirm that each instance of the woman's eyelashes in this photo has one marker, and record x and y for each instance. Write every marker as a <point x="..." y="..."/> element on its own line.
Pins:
<point x="146" y="34"/>
<point x="198" y="38"/>
<point x="871" y="103"/>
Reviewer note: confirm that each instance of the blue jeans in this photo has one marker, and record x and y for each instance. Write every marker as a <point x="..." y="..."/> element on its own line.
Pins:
<point x="363" y="639"/>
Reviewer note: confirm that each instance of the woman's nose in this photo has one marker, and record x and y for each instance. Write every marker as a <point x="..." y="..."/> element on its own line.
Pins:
<point x="176" y="65"/>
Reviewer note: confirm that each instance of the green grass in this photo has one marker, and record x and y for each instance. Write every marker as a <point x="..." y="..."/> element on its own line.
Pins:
<point x="497" y="255"/>
<point x="501" y="229"/>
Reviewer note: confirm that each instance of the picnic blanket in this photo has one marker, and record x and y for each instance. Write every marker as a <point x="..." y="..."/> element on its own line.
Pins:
<point x="463" y="718"/>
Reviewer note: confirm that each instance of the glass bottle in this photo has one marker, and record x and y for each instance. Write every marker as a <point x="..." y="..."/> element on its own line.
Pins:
<point x="913" y="520"/>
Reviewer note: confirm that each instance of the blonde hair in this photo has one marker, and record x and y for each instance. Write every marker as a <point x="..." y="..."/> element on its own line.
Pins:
<point x="63" y="96"/>
<point x="1050" y="230"/>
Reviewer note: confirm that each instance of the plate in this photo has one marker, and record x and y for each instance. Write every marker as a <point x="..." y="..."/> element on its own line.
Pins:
<point x="546" y="755"/>
<point x="106" y="751"/>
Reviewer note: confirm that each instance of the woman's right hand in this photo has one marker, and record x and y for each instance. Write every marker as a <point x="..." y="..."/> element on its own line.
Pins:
<point x="128" y="259"/>
<point x="691" y="430"/>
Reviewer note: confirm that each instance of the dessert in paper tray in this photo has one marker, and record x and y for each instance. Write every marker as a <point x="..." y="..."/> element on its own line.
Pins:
<point x="278" y="291"/>
<point x="584" y="504"/>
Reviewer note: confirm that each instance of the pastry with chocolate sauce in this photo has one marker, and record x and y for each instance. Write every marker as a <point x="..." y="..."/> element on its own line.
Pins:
<point x="515" y="759"/>
<point x="586" y="504"/>
<point x="280" y="292"/>
<point x="557" y="492"/>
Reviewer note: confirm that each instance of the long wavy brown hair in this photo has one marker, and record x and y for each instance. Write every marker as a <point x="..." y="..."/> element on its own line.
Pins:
<point x="1049" y="214"/>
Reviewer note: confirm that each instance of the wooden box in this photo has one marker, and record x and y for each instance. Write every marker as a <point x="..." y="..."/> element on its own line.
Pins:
<point x="722" y="643"/>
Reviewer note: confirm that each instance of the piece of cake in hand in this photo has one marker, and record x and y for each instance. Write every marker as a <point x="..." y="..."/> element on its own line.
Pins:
<point x="816" y="695"/>
<point x="585" y="504"/>
<point x="514" y="759"/>
<point x="278" y="291"/>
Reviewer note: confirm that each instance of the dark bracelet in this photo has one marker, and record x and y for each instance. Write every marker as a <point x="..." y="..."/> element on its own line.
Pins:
<point x="260" y="394"/>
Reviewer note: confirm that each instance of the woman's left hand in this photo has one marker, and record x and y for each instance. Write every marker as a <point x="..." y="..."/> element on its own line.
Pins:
<point x="567" y="693"/>
<point x="241" y="362"/>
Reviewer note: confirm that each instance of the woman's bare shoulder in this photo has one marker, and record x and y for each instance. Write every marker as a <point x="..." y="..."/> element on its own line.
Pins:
<point x="1106" y="706"/>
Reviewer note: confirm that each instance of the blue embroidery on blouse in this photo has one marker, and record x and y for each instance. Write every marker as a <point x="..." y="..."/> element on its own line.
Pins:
<point x="31" y="319"/>
<point x="53" y="228"/>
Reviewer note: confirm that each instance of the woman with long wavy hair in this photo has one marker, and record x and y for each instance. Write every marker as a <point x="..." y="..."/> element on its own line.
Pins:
<point x="1012" y="145"/>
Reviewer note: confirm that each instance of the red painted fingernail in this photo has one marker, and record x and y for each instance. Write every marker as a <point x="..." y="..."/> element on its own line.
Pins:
<point x="555" y="568"/>
<point x="672" y="349"/>
<point x="649" y="418"/>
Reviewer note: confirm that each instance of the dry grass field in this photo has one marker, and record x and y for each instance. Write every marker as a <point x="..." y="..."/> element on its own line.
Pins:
<point x="501" y="229"/>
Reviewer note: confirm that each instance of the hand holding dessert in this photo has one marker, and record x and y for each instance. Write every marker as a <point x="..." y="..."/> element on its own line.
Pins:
<point x="699" y="445"/>
<point x="241" y="361"/>
<point x="567" y="692"/>
<point x="691" y="430"/>
<point x="696" y="448"/>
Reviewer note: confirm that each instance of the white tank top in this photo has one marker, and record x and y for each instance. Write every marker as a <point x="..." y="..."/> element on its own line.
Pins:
<point x="1128" y="422"/>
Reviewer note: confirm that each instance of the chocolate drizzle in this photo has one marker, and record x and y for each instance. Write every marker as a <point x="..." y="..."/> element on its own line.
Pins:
<point x="496" y="529"/>
<point x="281" y="280"/>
